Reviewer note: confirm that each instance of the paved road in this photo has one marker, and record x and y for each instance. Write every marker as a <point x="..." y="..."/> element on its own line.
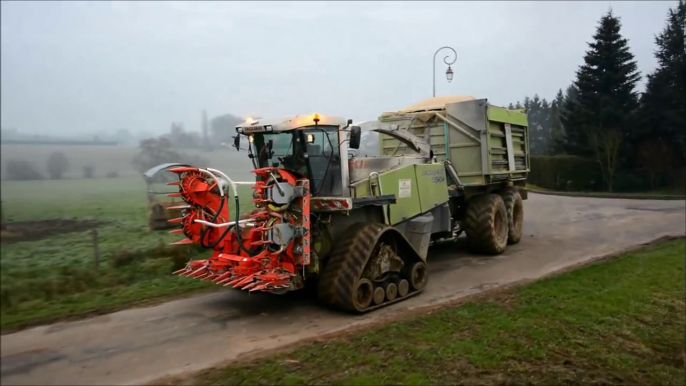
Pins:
<point x="140" y="345"/>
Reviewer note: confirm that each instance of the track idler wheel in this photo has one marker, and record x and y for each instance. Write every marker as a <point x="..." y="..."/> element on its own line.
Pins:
<point x="364" y="294"/>
<point x="419" y="276"/>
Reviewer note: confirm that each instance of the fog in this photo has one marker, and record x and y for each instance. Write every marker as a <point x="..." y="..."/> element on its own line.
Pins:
<point x="81" y="67"/>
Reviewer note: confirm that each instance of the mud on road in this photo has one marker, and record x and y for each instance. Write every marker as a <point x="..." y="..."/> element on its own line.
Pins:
<point x="140" y="345"/>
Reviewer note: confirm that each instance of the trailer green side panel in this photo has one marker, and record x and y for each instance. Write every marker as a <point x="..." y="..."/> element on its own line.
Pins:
<point x="484" y="143"/>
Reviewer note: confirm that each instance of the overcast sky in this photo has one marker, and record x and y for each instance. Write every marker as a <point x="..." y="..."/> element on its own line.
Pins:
<point x="72" y="67"/>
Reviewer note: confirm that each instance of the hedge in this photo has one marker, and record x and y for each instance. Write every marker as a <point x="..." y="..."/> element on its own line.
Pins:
<point x="577" y="174"/>
<point x="565" y="173"/>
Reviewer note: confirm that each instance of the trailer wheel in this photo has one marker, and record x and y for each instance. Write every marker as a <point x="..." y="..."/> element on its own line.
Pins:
<point x="486" y="224"/>
<point x="515" y="214"/>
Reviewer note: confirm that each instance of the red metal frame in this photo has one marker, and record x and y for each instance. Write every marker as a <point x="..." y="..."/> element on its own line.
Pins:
<point x="268" y="267"/>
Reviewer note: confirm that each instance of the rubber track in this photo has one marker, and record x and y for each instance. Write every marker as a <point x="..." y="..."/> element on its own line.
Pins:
<point x="479" y="223"/>
<point x="346" y="265"/>
<point x="510" y="196"/>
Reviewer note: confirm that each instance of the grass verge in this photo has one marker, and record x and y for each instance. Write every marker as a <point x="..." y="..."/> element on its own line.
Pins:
<point x="53" y="276"/>
<point x="619" y="321"/>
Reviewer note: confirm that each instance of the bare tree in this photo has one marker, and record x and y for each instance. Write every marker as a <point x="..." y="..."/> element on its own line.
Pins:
<point x="88" y="172"/>
<point x="656" y="157"/>
<point x="156" y="151"/>
<point x="205" y="130"/>
<point x="605" y="145"/>
<point x="57" y="165"/>
<point x="152" y="152"/>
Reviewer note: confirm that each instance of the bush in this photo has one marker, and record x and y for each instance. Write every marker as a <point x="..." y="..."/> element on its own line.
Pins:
<point x="22" y="170"/>
<point x="124" y="257"/>
<point x="565" y="173"/>
<point x="636" y="181"/>
<point x="88" y="172"/>
<point x="112" y="175"/>
<point x="577" y="174"/>
<point x="57" y="165"/>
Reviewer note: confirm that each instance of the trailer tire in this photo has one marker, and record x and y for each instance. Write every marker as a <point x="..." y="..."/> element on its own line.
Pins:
<point x="515" y="214"/>
<point x="486" y="224"/>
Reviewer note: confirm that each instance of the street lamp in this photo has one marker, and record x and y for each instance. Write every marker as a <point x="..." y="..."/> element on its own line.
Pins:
<point x="449" y="71"/>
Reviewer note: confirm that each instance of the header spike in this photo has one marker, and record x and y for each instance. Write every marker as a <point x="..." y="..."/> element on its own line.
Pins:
<point x="183" y="242"/>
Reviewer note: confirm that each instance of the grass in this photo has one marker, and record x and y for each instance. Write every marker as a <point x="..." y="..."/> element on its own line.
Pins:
<point x="535" y="187"/>
<point x="54" y="277"/>
<point x="620" y="321"/>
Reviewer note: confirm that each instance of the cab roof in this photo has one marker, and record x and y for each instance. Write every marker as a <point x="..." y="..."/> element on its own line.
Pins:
<point x="288" y="123"/>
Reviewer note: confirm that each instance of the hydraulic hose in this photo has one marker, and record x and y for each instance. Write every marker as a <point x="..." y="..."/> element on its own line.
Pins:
<point x="224" y="198"/>
<point x="216" y="216"/>
<point x="238" y="233"/>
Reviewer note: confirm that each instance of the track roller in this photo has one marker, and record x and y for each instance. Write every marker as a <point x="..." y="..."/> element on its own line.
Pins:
<point x="391" y="291"/>
<point x="403" y="287"/>
<point x="379" y="295"/>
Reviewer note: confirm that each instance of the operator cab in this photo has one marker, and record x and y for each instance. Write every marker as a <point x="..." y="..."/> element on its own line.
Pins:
<point x="313" y="145"/>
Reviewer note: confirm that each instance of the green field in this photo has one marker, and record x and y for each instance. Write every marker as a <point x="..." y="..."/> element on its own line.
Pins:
<point x="617" y="322"/>
<point x="54" y="277"/>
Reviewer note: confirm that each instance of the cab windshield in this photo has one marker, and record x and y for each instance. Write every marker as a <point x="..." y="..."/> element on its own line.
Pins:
<point x="311" y="151"/>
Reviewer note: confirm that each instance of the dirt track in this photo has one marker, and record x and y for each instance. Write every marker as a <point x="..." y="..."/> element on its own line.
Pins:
<point x="140" y="345"/>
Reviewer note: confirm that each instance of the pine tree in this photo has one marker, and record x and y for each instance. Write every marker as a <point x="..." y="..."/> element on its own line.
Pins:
<point x="663" y="105"/>
<point x="601" y="120"/>
<point x="536" y="137"/>
<point x="545" y="125"/>
<point x="569" y="117"/>
<point x="556" y="136"/>
<point x="555" y="139"/>
<point x="538" y="111"/>
<point x="606" y="98"/>
<point x="559" y="98"/>
<point x="527" y="103"/>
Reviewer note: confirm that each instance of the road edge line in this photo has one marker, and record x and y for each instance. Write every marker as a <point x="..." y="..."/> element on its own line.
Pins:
<point x="665" y="197"/>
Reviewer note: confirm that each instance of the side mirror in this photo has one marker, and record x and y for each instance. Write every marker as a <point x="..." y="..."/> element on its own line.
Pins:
<point x="237" y="142"/>
<point x="355" y="137"/>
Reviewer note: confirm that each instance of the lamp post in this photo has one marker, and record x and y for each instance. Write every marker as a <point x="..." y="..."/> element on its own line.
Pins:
<point x="449" y="71"/>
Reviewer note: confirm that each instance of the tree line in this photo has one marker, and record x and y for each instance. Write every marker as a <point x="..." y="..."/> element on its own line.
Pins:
<point x="602" y="117"/>
<point x="217" y="132"/>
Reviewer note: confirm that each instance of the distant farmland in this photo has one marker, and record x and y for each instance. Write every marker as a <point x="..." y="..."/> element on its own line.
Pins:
<point x="107" y="159"/>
